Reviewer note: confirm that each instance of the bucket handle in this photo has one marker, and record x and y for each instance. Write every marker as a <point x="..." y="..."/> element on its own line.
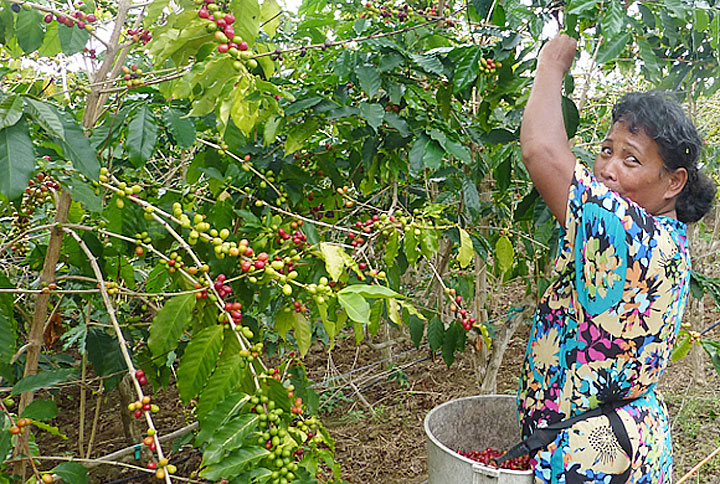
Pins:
<point x="481" y="470"/>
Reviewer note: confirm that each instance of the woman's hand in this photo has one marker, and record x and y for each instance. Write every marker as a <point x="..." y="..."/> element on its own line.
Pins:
<point x="558" y="54"/>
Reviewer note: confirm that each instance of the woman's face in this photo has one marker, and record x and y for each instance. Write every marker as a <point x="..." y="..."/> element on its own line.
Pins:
<point x="630" y="164"/>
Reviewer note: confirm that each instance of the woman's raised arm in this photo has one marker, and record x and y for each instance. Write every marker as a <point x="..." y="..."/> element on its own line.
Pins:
<point x="543" y="140"/>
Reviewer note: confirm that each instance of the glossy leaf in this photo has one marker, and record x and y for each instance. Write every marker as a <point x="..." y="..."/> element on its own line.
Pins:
<point x="71" y="472"/>
<point x="72" y="39"/>
<point x="465" y="252"/>
<point x="30" y="33"/>
<point x="611" y="48"/>
<point x="198" y="361"/>
<point x="713" y="350"/>
<point x="17" y="159"/>
<point x="356" y="306"/>
<point x="417" y="330"/>
<point x="504" y="253"/>
<point x="374" y="114"/>
<point x="435" y="333"/>
<point x="335" y="259"/>
<point x="142" y="136"/>
<point x="229" y="437"/>
<point x="218" y="416"/>
<point x="170" y="323"/>
<point x="8" y="325"/>
<point x="11" y="110"/>
<point x="41" y="409"/>
<point x="302" y="333"/>
<point x="223" y="381"/>
<point x="571" y="116"/>
<point x="46" y="116"/>
<point x="613" y="19"/>
<point x="682" y="347"/>
<point x="42" y="380"/>
<point x="374" y="291"/>
<point x="369" y="79"/>
<point x="467" y="69"/>
<point x="181" y="128"/>
<point x="77" y="148"/>
<point x="233" y="464"/>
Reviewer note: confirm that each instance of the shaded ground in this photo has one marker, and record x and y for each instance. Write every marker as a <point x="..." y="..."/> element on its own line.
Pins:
<point x="378" y="423"/>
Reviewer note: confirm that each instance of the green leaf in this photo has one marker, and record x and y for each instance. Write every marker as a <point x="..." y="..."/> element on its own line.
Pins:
<point x="298" y="136"/>
<point x="612" y="47"/>
<point x="428" y="63"/>
<point x="142" y="136"/>
<point x="229" y="437"/>
<point x="234" y="463"/>
<point x="8" y="325"/>
<point x="374" y="114"/>
<point x="302" y="333"/>
<point x="270" y="15"/>
<point x="181" y="128"/>
<point x="71" y="472"/>
<point x="433" y="155"/>
<point x="335" y="259"/>
<point x="369" y="79"/>
<point x="578" y="7"/>
<point x="467" y="69"/>
<point x="41" y="409"/>
<point x="105" y="355"/>
<point x="46" y="116"/>
<point x="713" y="350"/>
<point x="77" y="148"/>
<point x="372" y="292"/>
<point x="504" y="253"/>
<point x="429" y="242"/>
<point x="410" y="246"/>
<point x="451" y="342"/>
<point x="49" y="429"/>
<point x="170" y="323"/>
<point x="247" y="19"/>
<point x="198" y="361"/>
<point x="571" y="116"/>
<point x="392" y="247"/>
<point x="466" y="252"/>
<point x="682" y="348"/>
<point x="417" y="329"/>
<point x="72" y="39"/>
<point x="223" y="381"/>
<point x="30" y="33"/>
<point x="284" y="321"/>
<point x="613" y="19"/>
<point x="471" y="196"/>
<point x="17" y="159"/>
<point x="435" y="333"/>
<point x="356" y="306"/>
<point x="11" y="110"/>
<point x="648" y="56"/>
<point x="416" y="154"/>
<point x="218" y="416"/>
<point x="45" y="379"/>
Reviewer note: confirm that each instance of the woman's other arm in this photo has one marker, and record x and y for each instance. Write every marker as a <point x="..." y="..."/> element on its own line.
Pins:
<point x="543" y="140"/>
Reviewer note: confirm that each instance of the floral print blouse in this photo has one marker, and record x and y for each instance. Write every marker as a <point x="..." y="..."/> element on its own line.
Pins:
<point x="604" y="330"/>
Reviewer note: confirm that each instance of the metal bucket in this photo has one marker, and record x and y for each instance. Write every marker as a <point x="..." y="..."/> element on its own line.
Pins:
<point x="472" y="423"/>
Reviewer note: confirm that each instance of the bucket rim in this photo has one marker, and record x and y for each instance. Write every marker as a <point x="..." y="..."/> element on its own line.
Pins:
<point x="454" y="453"/>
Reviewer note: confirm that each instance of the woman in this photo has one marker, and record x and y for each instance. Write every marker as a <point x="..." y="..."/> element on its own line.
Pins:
<point x="604" y="330"/>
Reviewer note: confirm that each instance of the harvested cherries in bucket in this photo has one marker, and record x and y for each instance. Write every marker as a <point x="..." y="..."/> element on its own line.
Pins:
<point x="489" y="455"/>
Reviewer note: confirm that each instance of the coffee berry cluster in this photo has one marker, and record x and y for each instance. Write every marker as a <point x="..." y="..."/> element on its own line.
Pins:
<point x="220" y="22"/>
<point x="38" y="191"/>
<point x="489" y="456"/>
<point x="80" y="17"/>
<point x="132" y="75"/>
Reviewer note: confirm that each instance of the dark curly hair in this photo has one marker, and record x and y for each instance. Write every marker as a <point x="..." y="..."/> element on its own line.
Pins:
<point x="678" y="142"/>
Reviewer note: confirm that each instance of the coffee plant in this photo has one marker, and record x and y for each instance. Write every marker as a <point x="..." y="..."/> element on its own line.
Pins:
<point x="194" y="192"/>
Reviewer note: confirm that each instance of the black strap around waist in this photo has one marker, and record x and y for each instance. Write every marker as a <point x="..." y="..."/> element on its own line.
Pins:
<point x="543" y="436"/>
